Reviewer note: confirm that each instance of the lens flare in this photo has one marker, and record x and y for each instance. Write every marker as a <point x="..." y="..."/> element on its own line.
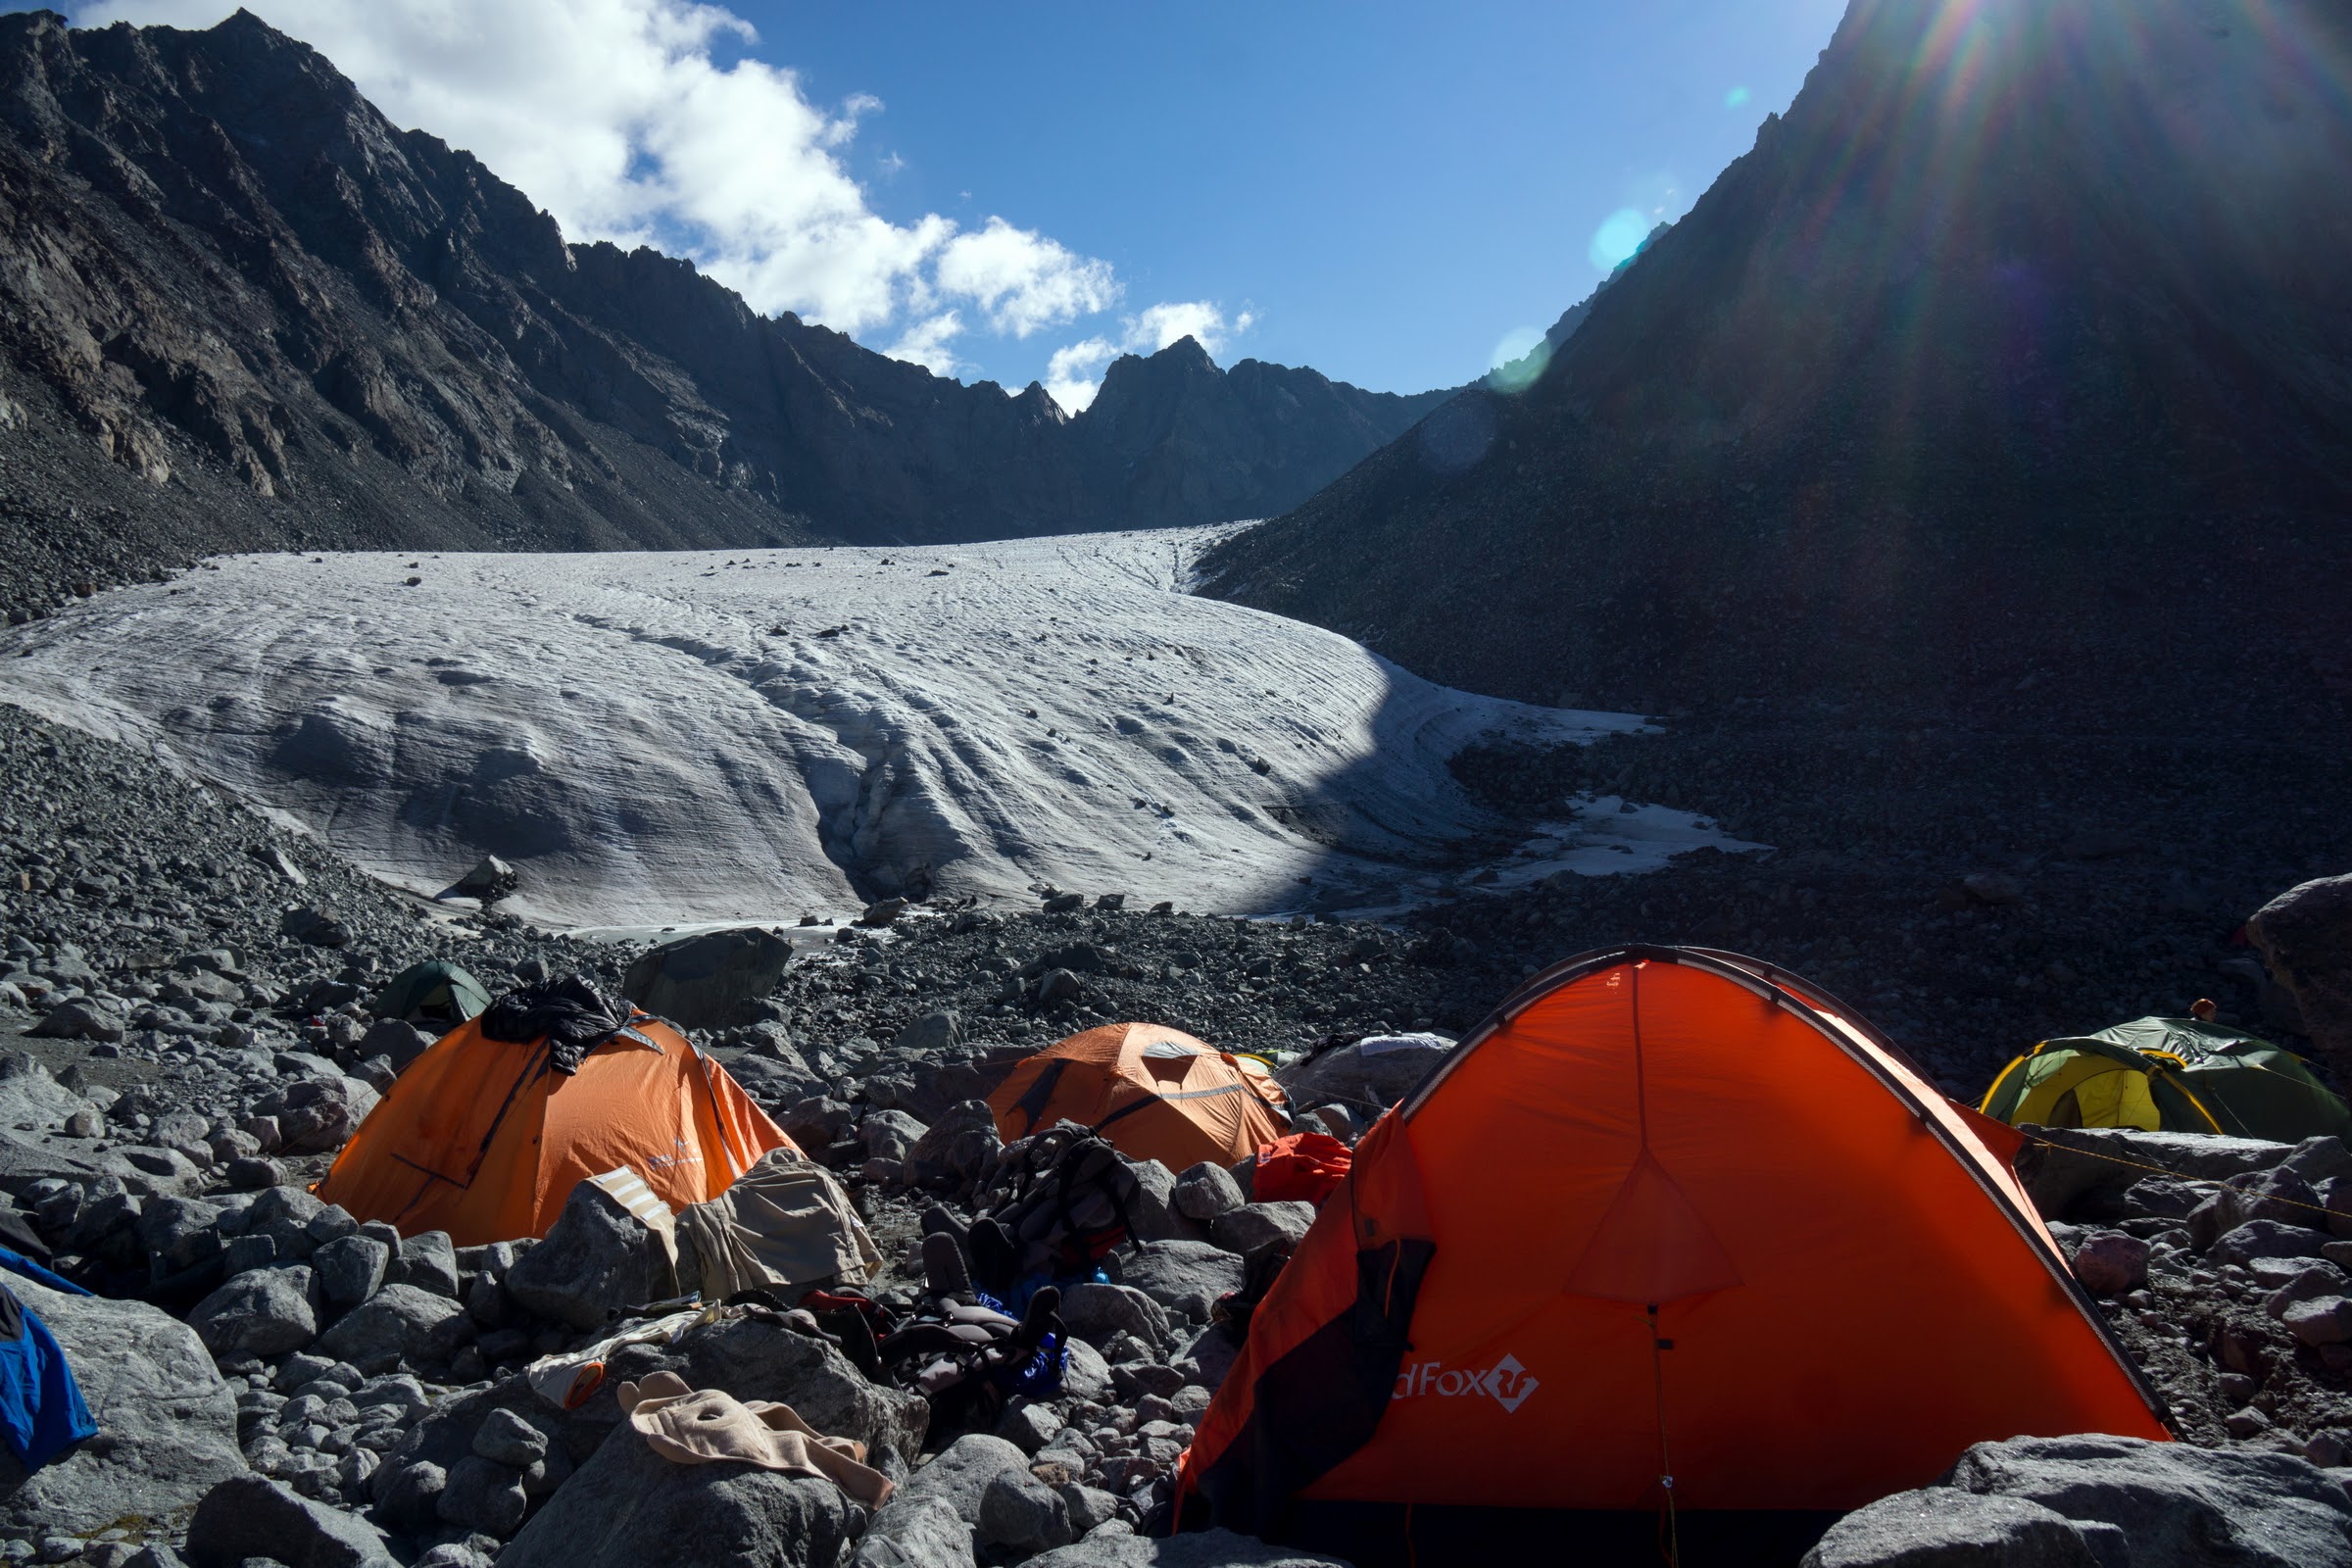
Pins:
<point x="1620" y="235"/>
<point x="1518" y="360"/>
<point x="1735" y="98"/>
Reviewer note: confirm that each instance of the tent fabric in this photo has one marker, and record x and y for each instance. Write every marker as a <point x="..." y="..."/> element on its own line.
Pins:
<point x="1667" y="1212"/>
<point x="485" y="1139"/>
<point x="1153" y="1093"/>
<point x="784" y="1223"/>
<point x="434" y="995"/>
<point x="2168" y="1075"/>
<point x="43" y="1412"/>
<point x="1304" y="1166"/>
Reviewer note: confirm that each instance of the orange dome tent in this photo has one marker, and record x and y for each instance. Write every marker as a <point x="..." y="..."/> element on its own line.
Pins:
<point x="1152" y="1094"/>
<point x="485" y="1139"/>
<point x="1668" y="1212"/>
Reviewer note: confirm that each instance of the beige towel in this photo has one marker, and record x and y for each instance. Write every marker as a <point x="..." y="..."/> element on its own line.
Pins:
<point x="690" y="1428"/>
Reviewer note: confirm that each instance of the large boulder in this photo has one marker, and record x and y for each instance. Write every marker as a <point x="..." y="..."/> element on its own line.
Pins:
<point x="247" y="1517"/>
<point x="400" y="1325"/>
<point x="2063" y="1166"/>
<point x="2306" y="935"/>
<point x="958" y="1475"/>
<point x="1202" y="1549"/>
<point x="597" y="1257"/>
<point x="262" y="1311"/>
<point x="629" y="1506"/>
<point x="1185" y="1277"/>
<point x="2178" y="1506"/>
<point x="167" y="1423"/>
<point x="1937" y="1527"/>
<point x="926" y="1533"/>
<point x="1368" y="1076"/>
<point x="712" y="981"/>
<point x="1253" y="1225"/>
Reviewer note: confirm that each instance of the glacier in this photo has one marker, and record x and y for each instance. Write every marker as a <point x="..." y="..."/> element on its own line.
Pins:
<point x="691" y="737"/>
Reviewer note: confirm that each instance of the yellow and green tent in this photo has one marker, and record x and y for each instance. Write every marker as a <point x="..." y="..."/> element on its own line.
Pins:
<point x="2169" y="1075"/>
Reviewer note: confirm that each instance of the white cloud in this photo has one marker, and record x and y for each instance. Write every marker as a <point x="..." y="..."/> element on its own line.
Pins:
<point x="1024" y="280"/>
<point x="925" y="343"/>
<point x="1073" y="374"/>
<point x="615" y="115"/>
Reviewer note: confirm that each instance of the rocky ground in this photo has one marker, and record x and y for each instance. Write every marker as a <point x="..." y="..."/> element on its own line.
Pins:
<point x="186" y="981"/>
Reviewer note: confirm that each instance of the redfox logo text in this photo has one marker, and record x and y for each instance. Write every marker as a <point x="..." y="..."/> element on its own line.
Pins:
<point x="1507" y="1380"/>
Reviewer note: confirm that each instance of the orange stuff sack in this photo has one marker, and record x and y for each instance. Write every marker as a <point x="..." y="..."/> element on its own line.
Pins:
<point x="485" y="1139"/>
<point x="1666" y="1212"/>
<point x="1152" y="1092"/>
<point x="1304" y="1166"/>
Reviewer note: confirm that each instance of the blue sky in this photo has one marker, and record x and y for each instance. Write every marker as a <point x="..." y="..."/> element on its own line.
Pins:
<point x="1387" y="193"/>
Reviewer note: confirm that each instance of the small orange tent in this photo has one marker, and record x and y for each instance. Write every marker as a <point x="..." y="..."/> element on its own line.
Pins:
<point x="484" y="1139"/>
<point x="1153" y="1093"/>
<point x="1666" y="1214"/>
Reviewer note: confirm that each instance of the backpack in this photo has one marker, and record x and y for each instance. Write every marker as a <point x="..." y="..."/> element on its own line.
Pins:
<point x="1067" y="1210"/>
<point x="963" y="1353"/>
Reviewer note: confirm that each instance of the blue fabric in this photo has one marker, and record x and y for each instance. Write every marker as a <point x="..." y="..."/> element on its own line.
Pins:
<point x="18" y="1263"/>
<point x="41" y="1413"/>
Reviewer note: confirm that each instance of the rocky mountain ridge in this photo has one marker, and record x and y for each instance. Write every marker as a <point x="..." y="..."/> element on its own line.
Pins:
<point x="2005" y="375"/>
<point x="239" y="308"/>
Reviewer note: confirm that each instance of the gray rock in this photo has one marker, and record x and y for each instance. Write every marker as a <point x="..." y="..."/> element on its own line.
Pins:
<point x="960" y="1146"/>
<point x="2178" y="1506"/>
<point x="2268" y="1238"/>
<point x="1937" y="1527"/>
<point x="509" y="1438"/>
<point x="408" y="1496"/>
<point x="2326" y="1320"/>
<point x="349" y="1269"/>
<point x="629" y="1506"/>
<point x="958" y="1475"/>
<point x="399" y="1324"/>
<point x="1370" y="1075"/>
<point x="1202" y="1549"/>
<point x="321" y="1113"/>
<point x="252" y="1516"/>
<point x="1206" y="1191"/>
<point x="596" y="1258"/>
<point x="490" y="880"/>
<point x="2062" y="1165"/>
<point x="168" y="1425"/>
<point x="712" y="981"/>
<point x="1021" y="1514"/>
<point x="396" y="1039"/>
<point x="931" y="1034"/>
<point x="1184" y="1277"/>
<point x="1253" y="1225"/>
<point x="2305" y="934"/>
<point x="78" y="1020"/>
<point x="1028" y="1427"/>
<point x="428" y="1262"/>
<point x="1099" y="1312"/>
<point x="484" y="1496"/>
<point x="2111" y="1264"/>
<point x="1152" y="1212"/>
<point x="889" y="1134"/>
<point x="926" y="1533"/>
<point x="264" y="1311"/>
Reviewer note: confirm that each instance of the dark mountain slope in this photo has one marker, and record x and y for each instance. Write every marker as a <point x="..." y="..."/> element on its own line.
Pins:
<point x="2012" y="370"/>
<point x="238" y="308"/>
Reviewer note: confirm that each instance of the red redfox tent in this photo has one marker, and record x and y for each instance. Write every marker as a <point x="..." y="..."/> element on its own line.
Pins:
<point x="1668" y="1212"/>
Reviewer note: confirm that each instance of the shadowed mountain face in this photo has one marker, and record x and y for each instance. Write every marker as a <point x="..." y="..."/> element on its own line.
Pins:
<point x="2011" y="369"/>
<point x="239" y="308"/>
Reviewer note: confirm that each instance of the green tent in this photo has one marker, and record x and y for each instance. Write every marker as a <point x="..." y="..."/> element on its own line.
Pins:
<point x="435" y="995"/>
<point x="2170" y="1074"/>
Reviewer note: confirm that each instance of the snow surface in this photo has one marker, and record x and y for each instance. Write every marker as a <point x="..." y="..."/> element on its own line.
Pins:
<point x="672" y="738"/>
